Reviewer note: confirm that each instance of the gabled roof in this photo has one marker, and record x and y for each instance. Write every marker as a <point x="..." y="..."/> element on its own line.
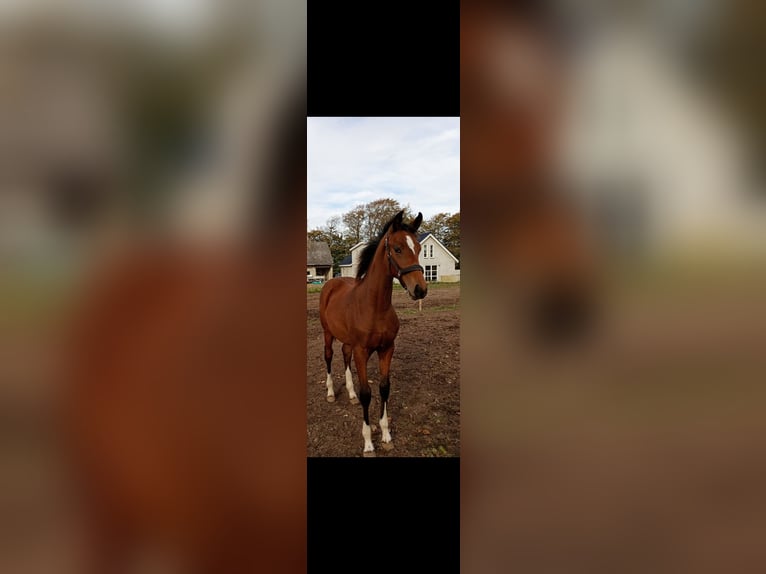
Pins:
<point x="318" y="253"/>
<point x="422" y="237"/>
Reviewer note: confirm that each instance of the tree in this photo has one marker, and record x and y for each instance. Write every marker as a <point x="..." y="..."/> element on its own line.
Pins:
<point x="452" y="235"/>
<point x="446" y="228"/>
<point x="316" y="234"/>
<point x="331" y="233"/>
<point x="437" y="225"/>
<point x="354" y="222"/>
<point x="378" y="213"/>
<point x="332" y="227"/>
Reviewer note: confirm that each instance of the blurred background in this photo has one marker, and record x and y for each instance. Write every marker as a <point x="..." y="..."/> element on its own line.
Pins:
<point x="614" y="328"/>
<point x="124" y="127"/>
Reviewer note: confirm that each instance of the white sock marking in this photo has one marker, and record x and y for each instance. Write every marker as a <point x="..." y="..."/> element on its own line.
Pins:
<point x="330" y="391"/>
<point x="367" y="434"/>
<point x="384" y="425"/>
<point x="350" y="384"/>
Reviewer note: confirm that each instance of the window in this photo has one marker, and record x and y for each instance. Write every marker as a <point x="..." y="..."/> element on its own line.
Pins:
<point x="430" y="273"/>
<point x="432" y="251"/>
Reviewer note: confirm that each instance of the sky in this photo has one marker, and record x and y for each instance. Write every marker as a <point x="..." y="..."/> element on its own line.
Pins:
<point x="356" y="160"/>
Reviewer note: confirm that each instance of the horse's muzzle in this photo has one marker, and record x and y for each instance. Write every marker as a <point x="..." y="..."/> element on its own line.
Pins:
<point x="419" y="292"/>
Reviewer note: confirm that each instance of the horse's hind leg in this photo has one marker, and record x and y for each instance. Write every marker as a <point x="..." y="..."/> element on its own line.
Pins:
<point x="384" y="356"/>
<point x="328" y="340"/>
<point x="349" y="381"/>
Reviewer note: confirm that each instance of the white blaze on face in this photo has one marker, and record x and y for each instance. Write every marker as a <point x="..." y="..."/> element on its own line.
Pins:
<point x="411" y="244"/>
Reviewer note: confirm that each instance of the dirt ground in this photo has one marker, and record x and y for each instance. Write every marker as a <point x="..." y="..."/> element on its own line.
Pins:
<point x="424" y="405"/>
<point x="639" y="451"/>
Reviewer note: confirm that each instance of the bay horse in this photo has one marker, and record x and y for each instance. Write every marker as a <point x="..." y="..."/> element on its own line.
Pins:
<point x="358" y="312"/>
<point x="183" y="453"/>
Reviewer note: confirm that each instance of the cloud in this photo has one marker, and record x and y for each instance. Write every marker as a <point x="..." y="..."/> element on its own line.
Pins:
<point x="356" y="160"/>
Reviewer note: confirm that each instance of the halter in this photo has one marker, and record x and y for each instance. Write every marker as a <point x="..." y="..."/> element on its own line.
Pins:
<point x="399" y="271"/>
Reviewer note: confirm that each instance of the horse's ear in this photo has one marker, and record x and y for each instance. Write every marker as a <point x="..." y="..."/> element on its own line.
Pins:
<point x="396" y="222"/>
<point x="417" y="222"/>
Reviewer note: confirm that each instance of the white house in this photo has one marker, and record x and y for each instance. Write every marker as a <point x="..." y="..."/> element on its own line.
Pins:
<point x="655" y="155"/>
<point x="438" y="262"/>
<point x="350" y="263"/>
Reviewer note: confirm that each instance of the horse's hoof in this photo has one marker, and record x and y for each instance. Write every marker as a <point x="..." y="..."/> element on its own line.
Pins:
<point x="354" y="401"/>
<point x="388" y="445"/>
<point x="330" y="399"/>
<point x="370" y="454"/>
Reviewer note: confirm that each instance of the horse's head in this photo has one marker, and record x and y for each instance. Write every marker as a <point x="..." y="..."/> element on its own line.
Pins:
<point x="526" y="233"/>
<point x="402" y="251"/>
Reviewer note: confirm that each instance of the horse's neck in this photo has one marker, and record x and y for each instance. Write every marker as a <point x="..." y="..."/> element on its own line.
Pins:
<point x="377" y="285"/>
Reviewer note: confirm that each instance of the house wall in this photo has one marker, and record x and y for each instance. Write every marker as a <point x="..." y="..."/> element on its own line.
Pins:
<point x="356" y="253"/>
<point x="319" y="271"/>
<point x="673" y="162"/>
<point x="441" y="258"/>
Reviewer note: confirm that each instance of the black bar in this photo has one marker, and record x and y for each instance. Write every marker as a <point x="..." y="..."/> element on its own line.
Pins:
<point x="397" y="58"/>
<point x="393" y="514"/>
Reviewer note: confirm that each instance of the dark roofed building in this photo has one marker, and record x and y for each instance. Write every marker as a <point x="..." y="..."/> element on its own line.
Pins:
<point x="318" y="260"/>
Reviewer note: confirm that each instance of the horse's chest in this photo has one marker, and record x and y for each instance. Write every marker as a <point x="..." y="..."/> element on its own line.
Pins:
<point x="377" y="338"/>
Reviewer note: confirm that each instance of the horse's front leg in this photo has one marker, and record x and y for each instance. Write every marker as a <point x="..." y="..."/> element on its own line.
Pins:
<point x="384" y="357"/>
<point x="361" y="355"/>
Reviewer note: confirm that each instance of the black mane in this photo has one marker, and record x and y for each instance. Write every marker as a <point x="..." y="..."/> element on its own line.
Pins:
<point x="368" y="253"/>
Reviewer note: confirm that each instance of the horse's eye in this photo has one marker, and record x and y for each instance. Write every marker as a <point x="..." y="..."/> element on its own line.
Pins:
<point x="398" y="249"/>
